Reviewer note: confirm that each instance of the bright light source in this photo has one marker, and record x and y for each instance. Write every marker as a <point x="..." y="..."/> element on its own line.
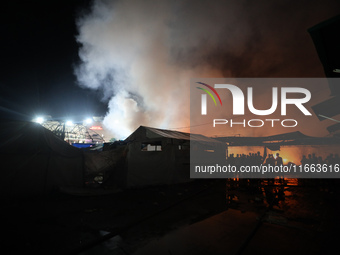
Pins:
<point x="69" y="123"/>
<point x="88" y="121"/>
<point x="39" y="120"/>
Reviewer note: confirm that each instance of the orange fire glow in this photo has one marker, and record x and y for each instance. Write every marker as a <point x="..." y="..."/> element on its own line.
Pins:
<point x="96" y="128"/>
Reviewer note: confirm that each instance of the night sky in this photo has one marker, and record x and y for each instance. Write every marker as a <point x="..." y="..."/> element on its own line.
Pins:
<point x="38" y="52"/>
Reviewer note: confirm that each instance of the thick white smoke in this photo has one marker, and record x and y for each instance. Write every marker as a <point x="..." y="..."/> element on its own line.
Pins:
<point x="126" y="52"/>
<point x="142" y="54"/>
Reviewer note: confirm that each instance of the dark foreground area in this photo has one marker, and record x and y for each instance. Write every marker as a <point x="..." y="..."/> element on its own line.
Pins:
<point x="202" y="217"/>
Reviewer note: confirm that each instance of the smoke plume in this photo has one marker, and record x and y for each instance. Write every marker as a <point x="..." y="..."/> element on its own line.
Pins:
<point x="142" y="54"/>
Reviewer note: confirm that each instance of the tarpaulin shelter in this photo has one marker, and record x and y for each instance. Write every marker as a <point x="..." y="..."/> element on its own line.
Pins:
<point x="157" y="156"/>
<point x="108" y="164"/>
<point x="36" y="162"/>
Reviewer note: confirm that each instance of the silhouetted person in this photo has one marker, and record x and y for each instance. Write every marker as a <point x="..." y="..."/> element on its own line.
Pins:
<point x="309" y="160"/>
<point x="330" y="159"/>
<point x="314" y="159"/>
<point x="259" y="158"/>
<point x="231" y="160"/>
<point x="304" y="160"/>
<point x="278" y="160"/>
<point x="270" y="160"/>
<point x="238" y="161"/>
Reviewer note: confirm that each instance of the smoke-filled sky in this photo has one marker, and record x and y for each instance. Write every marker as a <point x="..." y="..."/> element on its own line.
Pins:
<point x="132" y="60"/>
<point x="142" y="54"/>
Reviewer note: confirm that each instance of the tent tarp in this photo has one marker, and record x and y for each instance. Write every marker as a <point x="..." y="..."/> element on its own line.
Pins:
<point x="155" y="132"/>
<point x="35" y="161"/>
<point x="168" y="163"/>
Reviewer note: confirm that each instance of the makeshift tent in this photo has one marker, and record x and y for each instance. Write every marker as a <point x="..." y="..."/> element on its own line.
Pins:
<point x="35" y="162"/>
<point x="158" y="156"/>
<point x="106" y="163"/>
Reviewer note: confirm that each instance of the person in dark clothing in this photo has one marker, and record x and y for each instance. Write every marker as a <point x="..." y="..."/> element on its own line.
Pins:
<point x="278" y="160"/>
<point x="270" y="160"/>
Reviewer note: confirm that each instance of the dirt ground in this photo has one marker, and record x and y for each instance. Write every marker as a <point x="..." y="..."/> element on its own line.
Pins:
<point x="125" y="222"/>
<point x="71" y="224"/>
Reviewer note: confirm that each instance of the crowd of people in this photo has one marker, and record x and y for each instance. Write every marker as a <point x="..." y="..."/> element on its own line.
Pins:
<point x="254" y="159"/>
<point x="270" y="159"/>
<point x="313" y="159"/>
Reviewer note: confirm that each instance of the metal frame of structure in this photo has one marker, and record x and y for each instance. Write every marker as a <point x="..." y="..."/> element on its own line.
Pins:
<point x="75" y="133"/>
